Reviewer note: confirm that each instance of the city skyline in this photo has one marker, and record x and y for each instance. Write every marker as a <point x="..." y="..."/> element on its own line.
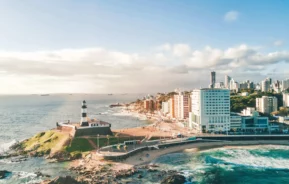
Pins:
<point x="132" y="47"/>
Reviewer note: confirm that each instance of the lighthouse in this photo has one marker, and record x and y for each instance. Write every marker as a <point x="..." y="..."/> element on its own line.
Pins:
<point x="84" y="121"/>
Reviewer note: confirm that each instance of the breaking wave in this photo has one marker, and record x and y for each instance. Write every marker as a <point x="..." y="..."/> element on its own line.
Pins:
<point x="6" y="146"/>
<point x="269" y="157"/>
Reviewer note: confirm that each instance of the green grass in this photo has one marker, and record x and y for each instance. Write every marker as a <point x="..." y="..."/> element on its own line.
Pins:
<point x="44" y="142"/>
<point x="79" y="145"/>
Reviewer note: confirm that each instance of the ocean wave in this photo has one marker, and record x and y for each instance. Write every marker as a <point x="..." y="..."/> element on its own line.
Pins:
<point x="6" y="146"/>
<point x="245" y="157"/>
<point x="24" y="177"/>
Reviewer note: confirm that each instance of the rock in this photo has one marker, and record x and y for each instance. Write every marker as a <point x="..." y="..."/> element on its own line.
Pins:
<point x="152" y="170"/>
<point x="139" y="176"/>
<point x="63" y="180"/>
<point x="4" y="174"/>
<point x="174" y="179"/>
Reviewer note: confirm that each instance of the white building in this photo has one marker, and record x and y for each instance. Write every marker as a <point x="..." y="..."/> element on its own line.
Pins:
<point x="165" y="107"/>
<point x="172" y="107"/>
<point x="234" y="85"/>
<point x="181" y="106"/>
<point x="265" y="85"/>
<point x="248" y="111"/>
<point x="210" y="110"/>
<point x="284" y="84"/>
<point x="267" y="104"/>
<point x="219" y="85"/>
<point x="227" y="81"/>
<point x="286" y="99"/>
<point x="245" y="94"/>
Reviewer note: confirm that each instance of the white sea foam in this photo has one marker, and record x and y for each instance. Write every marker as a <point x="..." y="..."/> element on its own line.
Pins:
<point x="27" y="177"/>
<point x="23" y="174"/>
<point x="245" y="158"/>
<point x="6" y="146"/>
<point x="6" y="161"/>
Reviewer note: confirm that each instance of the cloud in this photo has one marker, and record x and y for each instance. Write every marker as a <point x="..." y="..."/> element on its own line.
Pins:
<point x="99" y="70"/>
<point x="278" y="43"/>
<point x="231" y="16"/>
<point x="181" y="50"/>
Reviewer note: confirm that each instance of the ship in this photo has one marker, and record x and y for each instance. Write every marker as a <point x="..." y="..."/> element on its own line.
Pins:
<point x="116" y="105"/>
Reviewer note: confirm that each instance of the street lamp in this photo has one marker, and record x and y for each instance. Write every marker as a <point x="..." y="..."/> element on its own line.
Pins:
<point x="98" y="142"/>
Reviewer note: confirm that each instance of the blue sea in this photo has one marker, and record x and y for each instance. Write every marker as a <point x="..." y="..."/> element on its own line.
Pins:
<point x="23" y="116"/>
<point x="264" y="164"/>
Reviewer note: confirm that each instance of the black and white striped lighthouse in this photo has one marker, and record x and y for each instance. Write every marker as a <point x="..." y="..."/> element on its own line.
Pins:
<point x="84" y="121"/>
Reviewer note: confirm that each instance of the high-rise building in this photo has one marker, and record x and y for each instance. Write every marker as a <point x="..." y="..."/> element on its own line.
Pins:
<point x="210" y="110"/>
<point x="172" y="107"/>
<point x="165" y="107"/>
<point x="234" y="86"/>
<point x="181" y="105"/>
<point x="267" y="104"/>
<point x="246" y="85"/>
<point x="277" y="86"/>
<point x="227" y="81"/>
<point x="219" y="85"/>
<point x="213" y="79"/>
<point x="284" y="84"/>
<point x="265" y="85"/>
<point x="243" y="86"/>
<point x="286" y="99"/>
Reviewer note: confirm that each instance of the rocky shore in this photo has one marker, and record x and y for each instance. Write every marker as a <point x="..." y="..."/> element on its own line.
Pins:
<point x="107" y="175"/>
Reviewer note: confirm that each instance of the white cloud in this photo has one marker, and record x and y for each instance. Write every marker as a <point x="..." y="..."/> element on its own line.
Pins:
<point x="181" y="50"/>
<point x="98" y="70"/>
<point x="231" y="16"/>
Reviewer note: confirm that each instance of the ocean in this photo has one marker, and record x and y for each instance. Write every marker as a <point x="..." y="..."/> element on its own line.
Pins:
<point x="266" y="164"/>
<point x="24" y="116"/>
<point x="21" y="117"/>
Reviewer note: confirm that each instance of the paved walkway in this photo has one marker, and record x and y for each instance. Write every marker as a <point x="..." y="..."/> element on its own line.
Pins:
<point x="91" y="143"/>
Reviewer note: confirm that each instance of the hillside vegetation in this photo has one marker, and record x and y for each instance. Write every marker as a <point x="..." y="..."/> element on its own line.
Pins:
<point x="49" y="142"/>
<point x="238" y="103"/>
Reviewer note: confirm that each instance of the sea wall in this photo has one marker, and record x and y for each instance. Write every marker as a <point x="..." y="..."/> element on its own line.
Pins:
<point x="146" y="148"/>
<point x="92" y="131"/>
<point x="201" y="139"/>
<point x="245" y="137"/>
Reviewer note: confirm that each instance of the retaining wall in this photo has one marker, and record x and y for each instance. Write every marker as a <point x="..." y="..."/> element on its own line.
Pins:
<point x="205" y="139"/>
<point x="246" y="137"/>
<point x="92" y="131"/>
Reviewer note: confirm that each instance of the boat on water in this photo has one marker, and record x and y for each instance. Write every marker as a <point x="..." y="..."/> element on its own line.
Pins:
<point x="116" y="105"/>
<point x="110" y="94"/>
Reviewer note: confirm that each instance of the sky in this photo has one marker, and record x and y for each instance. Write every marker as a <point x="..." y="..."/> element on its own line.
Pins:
<point x="139" y="46"/>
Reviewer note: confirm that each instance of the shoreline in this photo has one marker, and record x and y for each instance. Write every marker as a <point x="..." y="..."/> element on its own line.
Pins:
<point x="131" y="165"/>
<point x="154" y="154"/>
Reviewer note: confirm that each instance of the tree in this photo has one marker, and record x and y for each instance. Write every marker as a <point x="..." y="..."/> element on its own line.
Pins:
<point x="283" y="111"/>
